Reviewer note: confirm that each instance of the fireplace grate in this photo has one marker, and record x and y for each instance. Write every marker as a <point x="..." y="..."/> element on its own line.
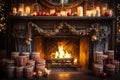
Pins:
<point x="64" y="67"/>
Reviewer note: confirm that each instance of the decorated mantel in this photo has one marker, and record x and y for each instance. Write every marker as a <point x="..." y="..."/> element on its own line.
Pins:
<point x="96" y="30"/>
<point x="75" y="33"/>
<point x="46" y="25"/>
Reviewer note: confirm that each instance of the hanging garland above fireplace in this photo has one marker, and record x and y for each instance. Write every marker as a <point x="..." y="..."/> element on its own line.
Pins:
<point x="98" y="33"/>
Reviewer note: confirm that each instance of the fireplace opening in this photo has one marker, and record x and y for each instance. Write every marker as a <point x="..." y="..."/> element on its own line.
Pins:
<point x="63" y="51"/>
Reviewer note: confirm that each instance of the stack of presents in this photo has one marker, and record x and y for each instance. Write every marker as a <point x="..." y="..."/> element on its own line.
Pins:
<point x="24" y="65"/>
<point x="104" y="64"/>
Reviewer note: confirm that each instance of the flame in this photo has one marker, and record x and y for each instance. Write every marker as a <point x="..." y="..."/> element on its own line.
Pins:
<point x="61" y="53"/>
<point x="67" y="55"/>
<point x="75" y="61"/>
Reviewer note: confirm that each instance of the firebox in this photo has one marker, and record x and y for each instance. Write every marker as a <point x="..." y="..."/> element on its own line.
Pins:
<point x="65" y="50"/>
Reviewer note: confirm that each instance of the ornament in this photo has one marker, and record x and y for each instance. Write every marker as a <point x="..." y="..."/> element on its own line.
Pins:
<point x="55" y="14"/>
<point x="103" y="74"/>
<point x="94" y="38"/>
<point x="106" y="14"/>
<point x="68" y="14"/>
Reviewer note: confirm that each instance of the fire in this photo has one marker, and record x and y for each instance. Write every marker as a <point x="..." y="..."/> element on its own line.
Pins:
<point x="61" y="53"/>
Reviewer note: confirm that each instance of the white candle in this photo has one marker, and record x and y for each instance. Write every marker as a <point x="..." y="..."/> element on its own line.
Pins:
<point x="93" y="12"/>
<point x="88" y="13"/>
<point x="52" y="11"/>
<point x="80" y="11"/>
<point x="111" y="12"/>
<point x="27" y="10"/>
<point x="98" y="11"/>
<point x="63" y="13"/>
<point x="21" y="9"/>
<point x="14" y="10"/>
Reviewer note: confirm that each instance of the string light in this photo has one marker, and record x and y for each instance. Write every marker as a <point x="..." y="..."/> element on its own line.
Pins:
<point x="2" y="17"/>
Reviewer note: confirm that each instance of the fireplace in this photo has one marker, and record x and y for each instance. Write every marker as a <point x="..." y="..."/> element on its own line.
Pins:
<point x="73" y="47"/>
<point x="72" y="40"/>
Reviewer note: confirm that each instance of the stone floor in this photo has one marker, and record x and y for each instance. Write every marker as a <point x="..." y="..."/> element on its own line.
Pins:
<point x="76" y="75"/>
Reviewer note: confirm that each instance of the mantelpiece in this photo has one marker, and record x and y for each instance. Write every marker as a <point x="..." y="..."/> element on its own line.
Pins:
<point x="59" y="18"/>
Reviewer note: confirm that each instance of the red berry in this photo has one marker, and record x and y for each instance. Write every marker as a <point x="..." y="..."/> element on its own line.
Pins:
<point x="104" y="74"/>
<point x="106" y="14"/>
<point x="68" y="14"/>
<point x="55" y="14"/>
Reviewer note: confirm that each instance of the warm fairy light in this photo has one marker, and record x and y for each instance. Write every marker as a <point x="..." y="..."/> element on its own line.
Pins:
<point x="34" y="73"/>
<point x="61" y="53"/>
<point x="119" y="30"/>
<point x="2" y="16"/>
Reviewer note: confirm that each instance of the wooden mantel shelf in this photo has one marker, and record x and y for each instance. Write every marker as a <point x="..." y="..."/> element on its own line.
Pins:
<point x="58" y="18"/>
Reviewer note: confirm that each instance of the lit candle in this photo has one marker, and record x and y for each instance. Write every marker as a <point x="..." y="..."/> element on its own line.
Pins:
<point x="93" y="12"/>
<point x="52" y="11"/>
<point x="104" y="9"/>
<point x="98" y="11"/>
<point x="14" y="10"/>
<point x="63" y="13"/>
<point x="21" y="9"/>
<point x="88" y="13"/>
<point x="110" y="12"/>
<point x="80" y="11"/>
<point x="27" y="10"/>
